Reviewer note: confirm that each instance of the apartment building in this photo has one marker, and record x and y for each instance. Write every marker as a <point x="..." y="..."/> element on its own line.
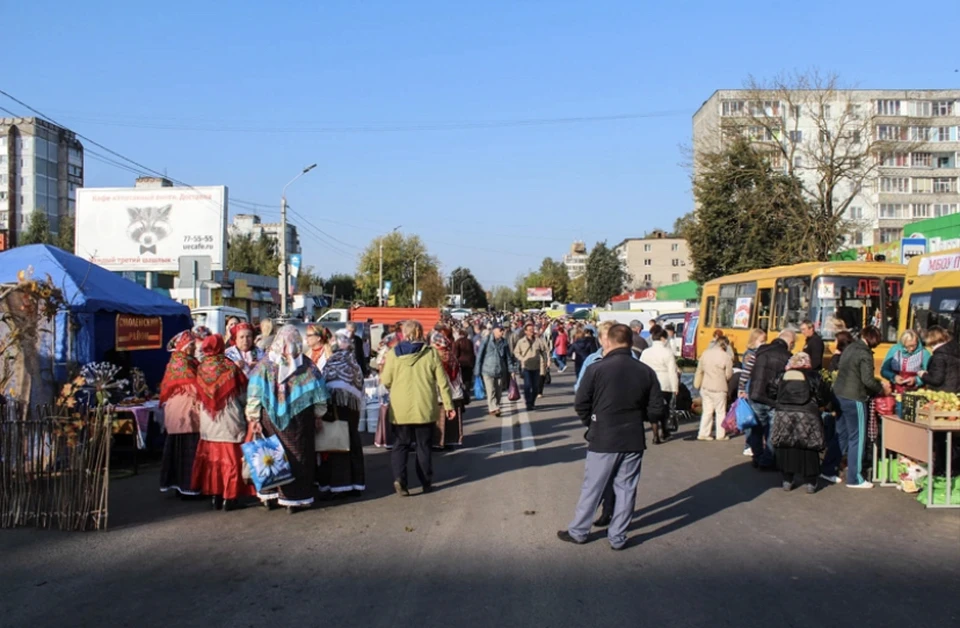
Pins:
<point x="41" y="167"/>
<point x="655" y="260"/>
<point x="906" y="142"/>
<point x="576" y="260"/>
<point x="249" y="224"/>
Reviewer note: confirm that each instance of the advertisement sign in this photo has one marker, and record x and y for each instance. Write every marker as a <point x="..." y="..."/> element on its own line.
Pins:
<point x="911" y="247"/>
<point x="149" y="229"/>
<point x="139" y="332"/>
<point x="386" y="289"/>
<point x="295" y="261"/>
<point x="939" y="263"/>
<point x="741" y="316"/>
<point x="540" y="294"/>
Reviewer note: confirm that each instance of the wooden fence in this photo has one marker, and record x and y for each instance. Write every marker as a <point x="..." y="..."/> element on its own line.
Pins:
<point x="54" y="471"/>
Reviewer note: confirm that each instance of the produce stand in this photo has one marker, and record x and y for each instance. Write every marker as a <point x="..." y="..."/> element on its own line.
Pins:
<point x="915" y="440"/>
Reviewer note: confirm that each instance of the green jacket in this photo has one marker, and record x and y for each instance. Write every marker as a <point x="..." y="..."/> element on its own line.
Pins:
<point x="413" y="380"/>
<point x="855" y="378"/>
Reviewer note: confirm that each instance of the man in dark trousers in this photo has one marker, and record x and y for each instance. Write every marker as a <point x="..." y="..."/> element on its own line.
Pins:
<point x="617" y="397"/>
<point x="813" y="345"/>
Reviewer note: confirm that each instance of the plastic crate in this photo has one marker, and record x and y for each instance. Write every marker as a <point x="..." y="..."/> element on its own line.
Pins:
<point x="911" y="405"/>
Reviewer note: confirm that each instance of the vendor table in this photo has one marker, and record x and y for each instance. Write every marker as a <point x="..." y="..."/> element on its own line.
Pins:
<point x="915" y="440"/>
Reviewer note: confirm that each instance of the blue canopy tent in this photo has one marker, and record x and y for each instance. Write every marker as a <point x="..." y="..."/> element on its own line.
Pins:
<point x="95" y="296"/>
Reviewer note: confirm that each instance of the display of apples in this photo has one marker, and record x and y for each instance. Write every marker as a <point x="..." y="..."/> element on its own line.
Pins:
<point x="940" y="401"/>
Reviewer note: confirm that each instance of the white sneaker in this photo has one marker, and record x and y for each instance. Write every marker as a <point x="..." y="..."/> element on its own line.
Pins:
<point x="861" y="485"/>
<point x="748" y="452"/>
<point x="833" y="479"/>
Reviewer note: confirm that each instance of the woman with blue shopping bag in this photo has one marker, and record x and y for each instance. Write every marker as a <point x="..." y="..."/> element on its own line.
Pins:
<point x="287" y="398"/>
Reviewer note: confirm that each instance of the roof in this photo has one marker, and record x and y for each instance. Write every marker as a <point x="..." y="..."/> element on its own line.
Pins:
<point x="86" y="286"/>
<point x="815" y="268"/>
<point x="683" y="291"/>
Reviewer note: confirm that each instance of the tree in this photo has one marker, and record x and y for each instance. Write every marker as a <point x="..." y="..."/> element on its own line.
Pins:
<point x="748" y="215"/>
<point x="399" y="253"/>
<point x="66" y="239"/>
<point x="554" y="275"/>
<point x="38" y="229"/>
<point x="832" y="147"/>
<point x="257" y="256"/>
<point x="433" y="287"/>
<point x="504" y="298"/>
<point x="309" y="281"/>
<point x="341" y="286"/>
<point x="605" y="277"/>
<point x="463" y="282"/>
<point x="577" y="289"/>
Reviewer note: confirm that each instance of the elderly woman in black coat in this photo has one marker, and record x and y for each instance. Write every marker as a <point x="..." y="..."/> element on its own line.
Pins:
<point x="797" y="435"/>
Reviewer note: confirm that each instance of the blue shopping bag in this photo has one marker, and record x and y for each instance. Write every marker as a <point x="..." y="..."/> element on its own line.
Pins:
<point x="269" y="467"/>
<point x="746" y="418"/>
<point x="479" y="392"/>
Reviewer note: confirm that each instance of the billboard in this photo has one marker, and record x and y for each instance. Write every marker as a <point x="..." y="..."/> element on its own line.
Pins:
<point x="149" y="229"/>
<point x="540" y="294"/>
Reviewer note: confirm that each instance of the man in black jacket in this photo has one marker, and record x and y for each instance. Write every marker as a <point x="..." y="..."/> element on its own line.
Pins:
<point x="770" y="363"/>
<point x="813" y="345"/>
<point x="617" y="396"/>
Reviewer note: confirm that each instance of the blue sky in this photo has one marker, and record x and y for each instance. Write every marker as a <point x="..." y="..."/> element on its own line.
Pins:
<point x="242" y="96"/>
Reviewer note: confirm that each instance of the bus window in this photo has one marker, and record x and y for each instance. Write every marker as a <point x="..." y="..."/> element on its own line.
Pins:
<point x="921" y="318"/>
<point x="946" y="306"/>
<point x="892" y="294"/>
<point x="711" y="306"/>
<point x="793" y="302"/>
<point x="727" y="306"/>
<point x="745" y="305"/>
<point x="848" y="303"/>
<point x="763" y="311"/>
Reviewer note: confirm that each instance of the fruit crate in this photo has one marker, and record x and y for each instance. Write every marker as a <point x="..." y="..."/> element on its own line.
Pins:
<point x="938" y="418"/>
<point x="911" y="404"/>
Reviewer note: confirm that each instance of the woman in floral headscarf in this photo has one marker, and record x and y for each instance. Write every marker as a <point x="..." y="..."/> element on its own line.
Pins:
<point x="342" y="474"/>
<point x="222" y="393"/>
<point x="286" y="397"/>
<point x="797" y="434"/>
<point x="442" y="342"/>
<point x="178" y="397"/>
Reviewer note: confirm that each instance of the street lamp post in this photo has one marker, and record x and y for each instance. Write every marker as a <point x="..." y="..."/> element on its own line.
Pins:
<point x="380" y="292"/>
<point x="283" y="241"/>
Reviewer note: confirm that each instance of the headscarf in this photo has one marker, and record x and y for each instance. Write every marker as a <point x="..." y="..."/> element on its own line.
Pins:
<point x="343" y="375"/>
<point x="799" y="361"/>
<point x="285" y="384"/>
<point x="219" y="380"/>
<point x="450" y="364"/>
<point x="180" y="376"/>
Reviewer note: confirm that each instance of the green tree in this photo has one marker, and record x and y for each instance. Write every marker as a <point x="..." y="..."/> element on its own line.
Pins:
<point x="38" y="229"/>
<point x="309" y="281"/>
<point x="66" y="239"/>
<point x="748" y="216"/>
<point x="257" y="256"/>
<point x="605" y="277"/>
<point x="554" y="275"/>
<point x="341" y="286"/>
<point x="577" y="289"/>
<point x="399" y="253"/>
<point x="504" y="298"/>
<point x="463" y="282"/>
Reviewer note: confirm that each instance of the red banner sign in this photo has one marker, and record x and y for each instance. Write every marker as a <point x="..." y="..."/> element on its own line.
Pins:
<point x="135" y="333"/>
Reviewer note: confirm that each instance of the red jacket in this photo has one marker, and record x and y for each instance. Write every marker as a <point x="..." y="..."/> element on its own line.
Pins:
<point x="560" y="345"/>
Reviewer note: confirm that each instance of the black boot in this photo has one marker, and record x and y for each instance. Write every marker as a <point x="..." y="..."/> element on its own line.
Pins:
<point x="269" y="504"/>
<point x="216" y="503"/>
<point x="231" y="504"/>
<point x="664" y="431"/>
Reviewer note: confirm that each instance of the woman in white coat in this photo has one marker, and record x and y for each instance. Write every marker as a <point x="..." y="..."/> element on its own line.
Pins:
<point x="659" y="356"/>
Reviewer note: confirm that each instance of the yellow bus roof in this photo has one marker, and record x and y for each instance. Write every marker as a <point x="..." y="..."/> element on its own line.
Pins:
<point x="814" y="268"/>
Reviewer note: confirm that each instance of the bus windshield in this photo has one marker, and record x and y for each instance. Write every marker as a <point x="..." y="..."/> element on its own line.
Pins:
<point x="851" y="303"/>
<point x="942" y="308"/>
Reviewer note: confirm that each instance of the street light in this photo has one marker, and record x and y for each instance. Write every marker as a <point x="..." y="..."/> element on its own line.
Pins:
<point x="380" y="293"/>
<point x="416" y="301"/>
<point x="283" y="241"/>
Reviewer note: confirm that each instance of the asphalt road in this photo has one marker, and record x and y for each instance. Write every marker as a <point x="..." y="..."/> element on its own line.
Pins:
<point x="714" y="543"/>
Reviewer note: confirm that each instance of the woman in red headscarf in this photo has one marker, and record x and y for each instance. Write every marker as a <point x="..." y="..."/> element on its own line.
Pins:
<point x="442" y="341"/>
<point x="178" y="396"/>
<point x="222" y="393"/>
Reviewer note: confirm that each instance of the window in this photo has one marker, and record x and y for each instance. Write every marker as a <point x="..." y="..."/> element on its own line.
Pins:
<point x="765" y="108"/>
<point x="727" y="308"/>
<point x="943" y="133"/>
<point x="894" y="160"/>
<point x="711" y="306"/>
<point x="677" y="262"/>
<point x="825" y="136"/>
<point x="888" y="107"/>
<point x="921" y="210"/>
<point x="917" y="133"/>
<point x="892" y="210"/>
<point x="825" y="111"/>
<point x="732" y="108"/>
<point x="855" y="213"/>
<point x="675" y="246"/>
<point x="648" y="262"/>
<point x="792" y="302"/>
<point x="944" y="209"/>
<point x="890" y="235"/>
<point x="943" y="162"/>
<point x="944" y="185"/>
<point x="921" y="160"/>
<point x="646" y="248"/>
<point x="891" y="132"/>
<point x="675" y="278"/>
<point x="857" y="238"/>
<point x="796" y="136"/>
<point x="856" y="137"/>
<point x="852" y="303"/>
<point x="943" y="108"/>
<point x="648" y="277"/>
<point x="798" y="162"/>
<point x="923" y="186"/>
<point x="855" y="110"/>
<point x="895" y="185"/>
<point x="923" y="109"/>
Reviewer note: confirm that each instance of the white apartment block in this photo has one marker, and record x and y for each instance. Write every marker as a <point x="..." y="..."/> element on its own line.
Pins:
<point x="249" y="224"/>
<point x="654" y="261"/>
<point x="576" y="260"/>
<point x="908" y="138"/>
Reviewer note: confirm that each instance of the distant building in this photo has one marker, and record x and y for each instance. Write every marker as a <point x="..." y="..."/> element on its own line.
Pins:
<point x="655" y="260"/>
<point x="41" y="167"/>
<point x="249" y="224"/>
<point x="576" y="260"/>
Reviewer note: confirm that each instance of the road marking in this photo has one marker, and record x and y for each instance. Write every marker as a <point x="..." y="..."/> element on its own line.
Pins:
<point x="506" y="432"/>
<point x="526" y="432"/>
